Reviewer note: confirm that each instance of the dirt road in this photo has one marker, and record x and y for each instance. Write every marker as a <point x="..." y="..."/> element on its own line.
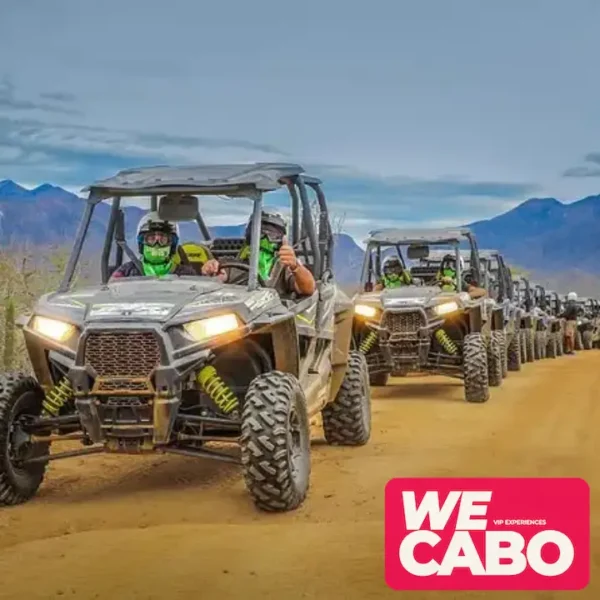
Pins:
<point x="170" y="527"/>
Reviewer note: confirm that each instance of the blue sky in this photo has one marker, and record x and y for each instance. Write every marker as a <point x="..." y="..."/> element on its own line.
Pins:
<point x="422" y="112"/>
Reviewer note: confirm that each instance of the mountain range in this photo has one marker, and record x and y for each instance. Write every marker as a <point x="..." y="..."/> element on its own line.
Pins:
<point x="541" y="234"/>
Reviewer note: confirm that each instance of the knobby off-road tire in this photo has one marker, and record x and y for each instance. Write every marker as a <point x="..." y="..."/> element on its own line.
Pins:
<point x="586" y="340"/>
<point x="475" y="369"/>
<point x="379" y="379"/>
<point x="540" y="345"/>
<point x="275" y="442"/>
<point x="20" y="395"/>
<point x="530" y="345"/>
<point x="552" y="346"/>
<point x="560" y="343"/>
<point x="578" y="341"/>
<point x="347" y="420"/>
<point x="494" y="358"/>
<point x="523" y="342"/>
<point x="504" y="354"/>
<point x="513" y="353"/>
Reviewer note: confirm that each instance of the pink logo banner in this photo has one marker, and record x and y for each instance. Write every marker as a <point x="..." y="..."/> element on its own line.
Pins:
<point x="487" y="534"/>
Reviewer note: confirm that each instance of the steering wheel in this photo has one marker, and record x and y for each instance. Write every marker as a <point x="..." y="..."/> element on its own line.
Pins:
<point x="238" y="264"/>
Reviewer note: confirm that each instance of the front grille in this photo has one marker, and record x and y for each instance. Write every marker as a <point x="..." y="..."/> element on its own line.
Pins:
<point x="405" y="322"/>
<point x="122" y="354"/>
<point x="122" y="384"/>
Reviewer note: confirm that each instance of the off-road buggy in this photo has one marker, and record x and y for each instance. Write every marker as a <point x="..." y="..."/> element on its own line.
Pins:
<point x="555" y="308"/>
<point x="502" y="291"/>
<point x="180" y="364"/>
<point x="594" y="309"/>
<point x="421" y="327"/>
<point x="550" y="329"/>
<point x="533" y="325"/>
<point x="585" y="325"/>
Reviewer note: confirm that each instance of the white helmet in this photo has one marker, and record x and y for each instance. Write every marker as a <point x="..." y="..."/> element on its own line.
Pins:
<point x="151" y="218"/>
<point x="572" y="296"/>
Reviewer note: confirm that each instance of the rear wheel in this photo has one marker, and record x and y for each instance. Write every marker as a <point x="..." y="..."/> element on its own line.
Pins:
<point x="21" y="398"/>
<point x="587" y="340"/>
<point x="275" y="442"/>
<point x="347" y="420"/>
<point x="475" y="369"/>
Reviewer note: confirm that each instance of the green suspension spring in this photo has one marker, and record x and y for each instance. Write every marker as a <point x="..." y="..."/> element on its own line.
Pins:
<point x="368" y="342"/>
<point x="57" y="397"/>
<point x="217" y="389"/>
<point x="444" y="340"/>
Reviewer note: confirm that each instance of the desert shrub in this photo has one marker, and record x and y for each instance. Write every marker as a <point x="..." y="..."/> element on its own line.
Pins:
<point x="26" y="273"/>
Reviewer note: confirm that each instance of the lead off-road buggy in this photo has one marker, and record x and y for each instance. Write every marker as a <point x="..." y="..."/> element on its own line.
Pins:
<point x="178" y="364"/>
<point x="420" y="327"/>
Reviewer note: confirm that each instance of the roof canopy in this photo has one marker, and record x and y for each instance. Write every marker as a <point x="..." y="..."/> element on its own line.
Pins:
<point x="234" y="180"/>
<point x="418" y="236"/>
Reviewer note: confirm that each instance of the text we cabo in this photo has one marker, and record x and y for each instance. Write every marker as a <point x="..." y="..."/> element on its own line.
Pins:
<point x="487" y="534"/>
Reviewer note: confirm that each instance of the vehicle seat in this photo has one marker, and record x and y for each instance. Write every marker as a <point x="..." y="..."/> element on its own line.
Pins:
<point x="194" y="254"/>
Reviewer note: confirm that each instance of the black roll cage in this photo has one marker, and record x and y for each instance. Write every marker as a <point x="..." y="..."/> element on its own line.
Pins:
<point x="320" y="242"/>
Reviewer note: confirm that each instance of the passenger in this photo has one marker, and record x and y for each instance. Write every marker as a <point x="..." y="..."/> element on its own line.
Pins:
<point x="157" y="243"/>
<point x="394" y="275"/>
<point x="273" y="248"/>
<point x="446" y="278"/>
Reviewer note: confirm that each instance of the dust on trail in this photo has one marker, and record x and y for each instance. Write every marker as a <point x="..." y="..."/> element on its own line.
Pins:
<point x="168" y="527"/>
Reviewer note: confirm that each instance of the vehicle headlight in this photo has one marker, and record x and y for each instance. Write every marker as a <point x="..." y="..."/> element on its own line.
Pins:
<point x="53" y="329"/>
<point x="445" y="308"/>
<point x="364" y="310"/>
<point x="204" y="329"/>
<point x="579" y="322"/>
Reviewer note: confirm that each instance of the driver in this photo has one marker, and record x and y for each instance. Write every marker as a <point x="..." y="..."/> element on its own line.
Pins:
<point x="274" y="250"/>
<point x="394" y="275"/>
<point x="446" y="277"/>
<point x="157" y="242"/>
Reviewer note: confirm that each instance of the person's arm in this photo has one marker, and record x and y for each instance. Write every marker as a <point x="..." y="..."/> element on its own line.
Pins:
<point x="212" y="267"/>
<point x="476" y="292"/>
<point x="304" y="282"/>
